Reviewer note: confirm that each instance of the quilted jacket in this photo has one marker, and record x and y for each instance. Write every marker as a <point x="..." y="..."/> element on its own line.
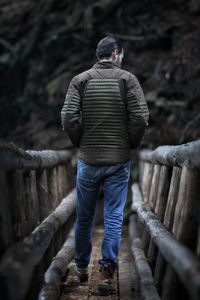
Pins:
<point x="105" y="114"/>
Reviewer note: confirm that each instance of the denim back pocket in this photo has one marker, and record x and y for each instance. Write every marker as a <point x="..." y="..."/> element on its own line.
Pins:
<point x="120" y="172"/>
<point x="85" y="171"/>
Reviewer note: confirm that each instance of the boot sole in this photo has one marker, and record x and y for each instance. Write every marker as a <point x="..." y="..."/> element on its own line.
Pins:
<point x="105" y="289"/>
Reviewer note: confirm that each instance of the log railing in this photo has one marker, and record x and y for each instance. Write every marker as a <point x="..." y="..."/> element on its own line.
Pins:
<point x="166" y="206"/>
<point x="36" y="213"/>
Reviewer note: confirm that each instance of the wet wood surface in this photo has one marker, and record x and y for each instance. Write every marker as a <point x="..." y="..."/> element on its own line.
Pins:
<point x="125" y="278"/>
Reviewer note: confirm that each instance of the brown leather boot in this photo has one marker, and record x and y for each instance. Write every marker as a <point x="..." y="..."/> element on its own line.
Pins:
<point x="105" y="284"/>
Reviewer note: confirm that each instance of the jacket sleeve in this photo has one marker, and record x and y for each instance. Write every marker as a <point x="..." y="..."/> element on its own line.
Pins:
<point x="137" y="110"/>
<point x="71" y="113"/>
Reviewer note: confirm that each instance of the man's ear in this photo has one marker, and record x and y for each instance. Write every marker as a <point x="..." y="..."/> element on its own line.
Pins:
<point x="115" y="54"/>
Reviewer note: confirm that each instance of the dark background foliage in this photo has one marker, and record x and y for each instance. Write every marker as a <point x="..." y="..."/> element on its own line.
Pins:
<point x="44" y="43"/>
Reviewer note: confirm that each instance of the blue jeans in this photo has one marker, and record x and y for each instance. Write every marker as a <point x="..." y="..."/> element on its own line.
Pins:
<point x="114" y="180"/>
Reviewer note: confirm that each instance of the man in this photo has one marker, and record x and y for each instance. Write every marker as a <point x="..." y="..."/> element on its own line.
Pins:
<point x="105" y="115"/>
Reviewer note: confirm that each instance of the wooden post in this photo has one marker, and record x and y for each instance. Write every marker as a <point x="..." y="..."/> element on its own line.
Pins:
<point x="53" y="202"/>
<point x="20" y="221"/>
<point x="161" y="200"/>
<point x="43" y="199"/>
<point x="142" y="176"/>
<point x="59" y="235"/>
<point x="154" y="186"/>
<point x="146" y="181"/>
<point x="145" y="240"/>
<point x="59" y="182"/>
<point x="65" y="181"/>
<point x="185" y="222"/>
<point x="152" y="254"/>
<point x="168" y="222"/>
<point x="37" y="282"/>
<point x="6" y="238"/>
<point x="141" y="168"/>
<point x="159" y="272"/>
<point x="31" y="200"/>
<point x="172" y="198"/>
<point x="198" y="242"/>
<point x="172" y="288"/>
<point x="163" y="189"/>
<point x="52" y="187"/>
<point x="71" y="173"/>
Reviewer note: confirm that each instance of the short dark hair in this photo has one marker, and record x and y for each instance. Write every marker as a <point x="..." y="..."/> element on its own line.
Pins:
<point x="106" y="46"/>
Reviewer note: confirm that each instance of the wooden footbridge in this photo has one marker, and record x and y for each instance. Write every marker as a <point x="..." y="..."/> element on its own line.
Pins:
<point x="160" y="248"/>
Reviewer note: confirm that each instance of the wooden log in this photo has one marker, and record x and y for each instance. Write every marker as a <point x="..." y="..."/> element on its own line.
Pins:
<point x="142" y="174"/>
<point x="161" y="200"/>
<point x="12" y="158"/>
<point x="71" y="169"/>
<point x="31" y="200"/>
<point x="17" y="205"/>
<point x="163" y="189"/>
<point x="172" y="288"/>
<point x="140" y="226"/>
<point x="147" y="288"/>
<point x="198" y="242"/>
<point x="141" y="167"/>
<point x="59" y="172"/>
<point x="183" y="261"/>
<point x="43" y="195"/>
<point x="145" y="240"/>
<point x="60" y="194"/>
<point x="147" y="176"/>
<point x="185" y="224"/>
<point x="66" y="188"/>
<point x="6" y="238"/>
<point x="159" y="272"/>
<point x="52" y="187"/>
<point x="182" y="155"/>
<point x="36" y="284"/>
<point x="18" y="263"/>
<point x="152" y="254"/>
<point x="154" y="186"/>
<point x="172" y="198"/>
<point x="53" y="202"/>
<point x="168" y="222"/>
<point x="57" y="269"/>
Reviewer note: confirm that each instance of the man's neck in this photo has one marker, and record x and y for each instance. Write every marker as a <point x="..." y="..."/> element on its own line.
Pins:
<point x="109" y="59"/>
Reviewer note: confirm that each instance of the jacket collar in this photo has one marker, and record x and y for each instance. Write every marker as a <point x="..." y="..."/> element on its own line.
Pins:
<point x="107" y="64"/>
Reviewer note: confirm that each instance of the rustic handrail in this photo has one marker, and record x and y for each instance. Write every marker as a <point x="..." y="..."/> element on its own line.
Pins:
<point x="37" y="210"/>
<point x="168" y="217"/>
<point x="17" y="264"/>
<point x="12" y="158"/>
<point x="186" y="154"/>
<point x="183" y="261"/>
<point x="147" y="287"/>
<point x="57" y="269"/>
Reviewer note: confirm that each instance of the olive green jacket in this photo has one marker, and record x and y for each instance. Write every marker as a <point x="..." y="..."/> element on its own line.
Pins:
<point x="105" y="114"/>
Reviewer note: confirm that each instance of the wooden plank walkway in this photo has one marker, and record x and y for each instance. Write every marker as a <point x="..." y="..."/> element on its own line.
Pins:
<point x="125" y="280"/>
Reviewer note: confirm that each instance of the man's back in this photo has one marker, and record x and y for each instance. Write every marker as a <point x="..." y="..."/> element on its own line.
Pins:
<point x="107" y="102"/>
